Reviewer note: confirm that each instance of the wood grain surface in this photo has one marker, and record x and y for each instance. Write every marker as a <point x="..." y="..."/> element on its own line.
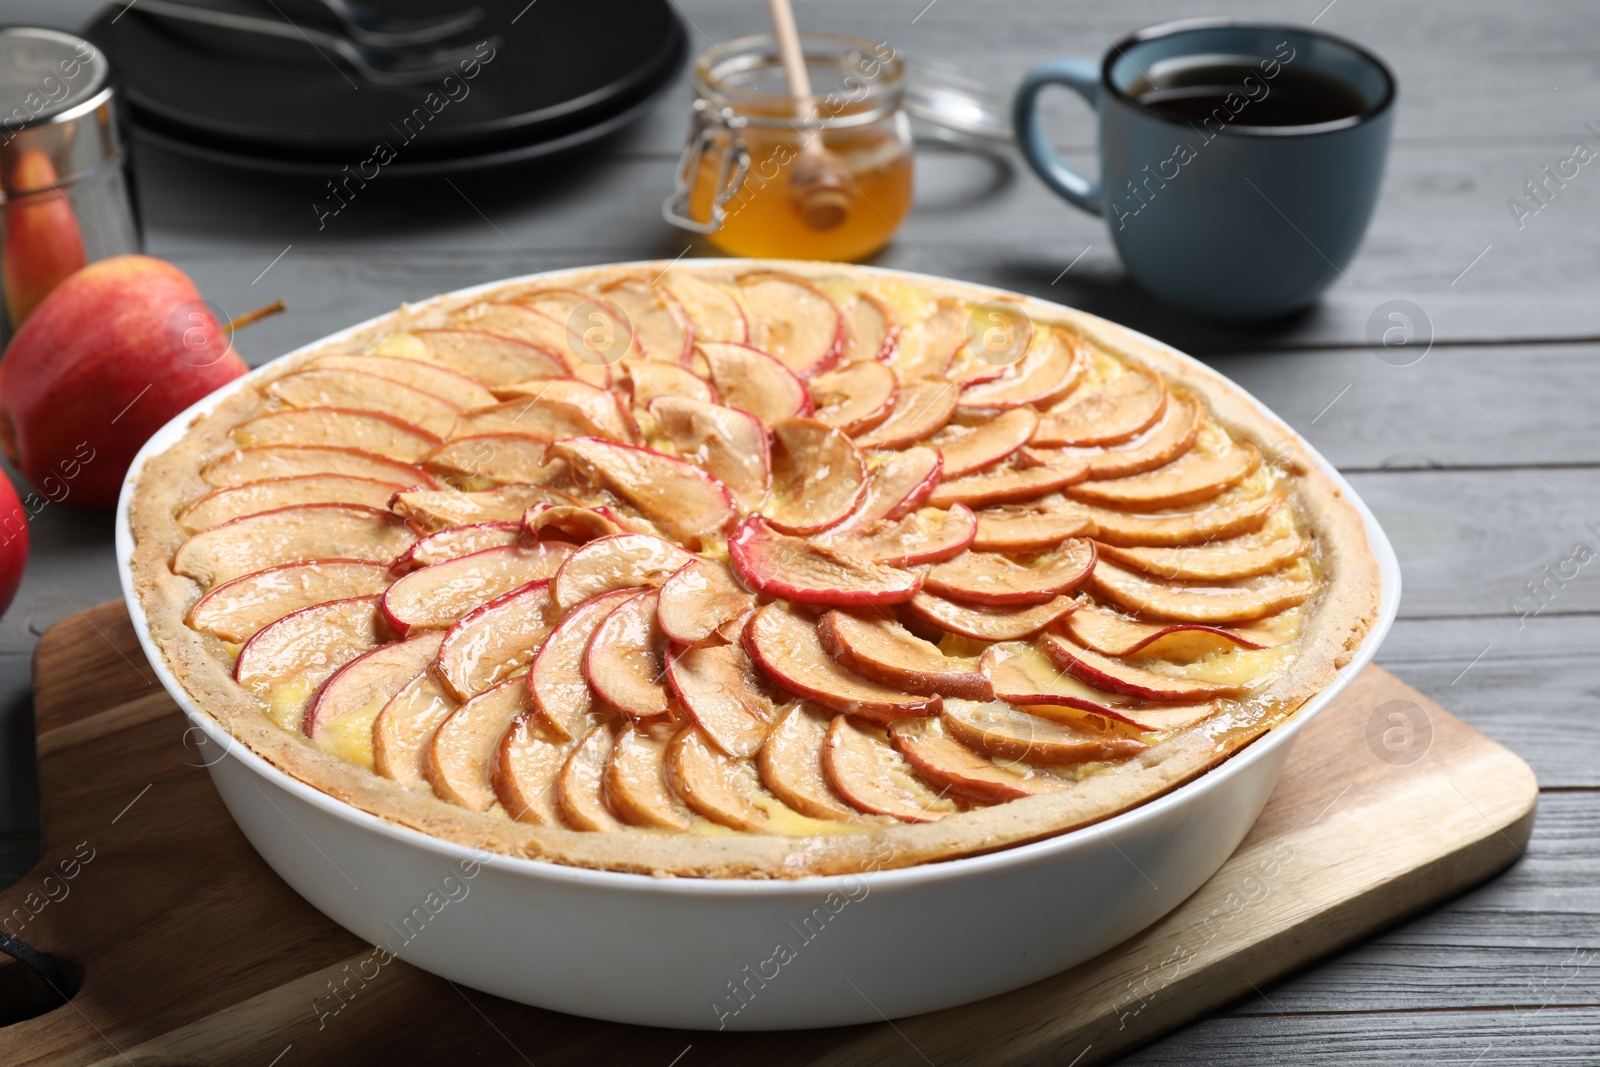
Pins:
<point x="190" y="948"/>
<point x="1480" y="460"/>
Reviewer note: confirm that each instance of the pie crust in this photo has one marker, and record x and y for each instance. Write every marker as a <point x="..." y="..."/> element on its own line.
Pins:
<point x="1081" y="433"/>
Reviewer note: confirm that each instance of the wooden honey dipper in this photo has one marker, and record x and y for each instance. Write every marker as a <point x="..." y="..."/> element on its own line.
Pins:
<point x="818" y="184"/>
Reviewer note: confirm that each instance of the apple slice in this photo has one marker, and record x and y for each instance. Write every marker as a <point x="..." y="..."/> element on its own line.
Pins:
<point x="235" y="611"/>
<point x="872" y="776"/>
<point x="354" y="391"/>
<point x="539" y="417"/>
<point x="650" y="379"/>
<point x="926" y="536"/>
<point x="285" y="662"/>
<point x="699" y="600"/>
<point x="452" y="387"/>
<point x="791" y="765"/>
<point x="526" y="766"/>
<point x="535" y="328"/>
<point x="972" y="448"/>
<point x="405" y="727"/>
<point x="928" y="348"/>
<point x="456" y="542"/>
<point x="1196" y="526"/>
<point x="818" y="477"/>
<point x="580" y="787"/>
<point x="793" y="568"/>
<point x="793" y="321"/>
<point x="714" y="784"/>
<point x="339" y="721"/>
<point x="1003" y="623"/>
<point x="786" y="649"/>
<point x="728" y="444"/>
<point x="557" y="686"/>
<point x="750" y="380"/>
<point x="1113" y="635"/>
<point x="921" y="409"/>
<point x="1014" y="480"/>
<point x="1049" y="370"/>
<point x="288" y="535"/>
<point x="493" y="358"/>
<point x="557" y="302"/>
<point x="871" y="332"/>
<point x="661" y="328"/>
<point x="1240" y="557"/>
<point x="999" y="731"/>
<point x="714" y="313"/>
<point x="434" y="597"/>
<point x="957" y="770"/>
<point x="460" y="759"/>
<point x="1238" y="601"/>
<point x="1105" y="672"/>
<point x="1174" y="433"/>
<point x="1028" y="527"/>
<point x="990" y="578"/>
<point x="898" y="483"/>
<point x="600" y="407"/>
<point x="621" y="561"/>
<point x="636" y="784"/>
<point x="1023" y="675"/>
<point x="440" y="509"/>
<point x="497" y="640"/>
<point x="364" y="431"/>
<point x="688" y="504"/>
<point x="237" y="501"/>
<point x="576" y="524"/>
<point x="1108" y="413"/>
<point x="718" y="687"/>
<point x="490" y="460"/>
<point x="625" y="662"/>
<point x="884" y="651"/>
<point x="292" y="461"/>
<point x="856" y="397"/>
<point x="1199" y="474"/>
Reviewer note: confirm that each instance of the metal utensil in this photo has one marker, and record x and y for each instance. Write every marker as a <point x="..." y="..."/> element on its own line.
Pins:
<point x="369" y="26"/>
<point x="377" y="65"/>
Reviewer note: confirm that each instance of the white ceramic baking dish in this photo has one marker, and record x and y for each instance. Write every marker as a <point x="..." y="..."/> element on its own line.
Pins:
<point x="745" y="955"/>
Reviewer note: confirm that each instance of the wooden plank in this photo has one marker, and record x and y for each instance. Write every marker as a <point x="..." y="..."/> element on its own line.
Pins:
<point x="1532" y="689"/>
<point x="1553" y="1035"/>
<point x="1470" y="541"/>
<point x="1439" y="210"/>
<point x="1297" y="888"/>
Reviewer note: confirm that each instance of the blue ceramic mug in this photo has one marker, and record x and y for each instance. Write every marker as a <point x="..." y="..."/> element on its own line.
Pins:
<point x="1211" y="212"/>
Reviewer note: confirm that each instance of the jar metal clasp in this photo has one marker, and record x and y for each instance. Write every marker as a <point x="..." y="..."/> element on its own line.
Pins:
<point x="711" y="125"/>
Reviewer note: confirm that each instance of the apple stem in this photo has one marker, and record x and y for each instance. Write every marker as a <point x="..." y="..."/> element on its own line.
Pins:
<point x="239" y="321"/>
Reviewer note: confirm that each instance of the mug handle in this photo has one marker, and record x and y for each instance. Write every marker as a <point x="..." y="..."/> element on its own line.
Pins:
<point x="1083" y="77"/>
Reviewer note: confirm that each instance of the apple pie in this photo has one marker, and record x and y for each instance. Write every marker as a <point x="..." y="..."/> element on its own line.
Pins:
<point x="767" y="570"/>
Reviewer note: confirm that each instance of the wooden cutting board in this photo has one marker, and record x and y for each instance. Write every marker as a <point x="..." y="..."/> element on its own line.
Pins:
<point x="190" y="950"/>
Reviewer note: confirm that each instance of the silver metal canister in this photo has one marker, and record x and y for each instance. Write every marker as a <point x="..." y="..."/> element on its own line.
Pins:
<point x="65" y="182"/>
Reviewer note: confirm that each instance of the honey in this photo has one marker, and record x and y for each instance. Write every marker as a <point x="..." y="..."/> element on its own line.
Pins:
<point x="735" y="183"/>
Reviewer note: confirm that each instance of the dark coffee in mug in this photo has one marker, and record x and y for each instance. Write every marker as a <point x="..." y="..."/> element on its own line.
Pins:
<point x="1239" y="160"/>
<point x="1195" y="88"/>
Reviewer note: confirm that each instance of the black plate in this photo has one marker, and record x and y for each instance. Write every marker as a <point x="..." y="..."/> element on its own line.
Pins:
<point x="564" y="72"/>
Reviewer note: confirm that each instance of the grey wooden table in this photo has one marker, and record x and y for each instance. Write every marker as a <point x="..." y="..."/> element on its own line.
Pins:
<point x="1482" y="459"/>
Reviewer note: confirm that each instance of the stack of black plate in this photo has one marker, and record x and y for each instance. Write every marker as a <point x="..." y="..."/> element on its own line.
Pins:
<point x="555" y="74"/>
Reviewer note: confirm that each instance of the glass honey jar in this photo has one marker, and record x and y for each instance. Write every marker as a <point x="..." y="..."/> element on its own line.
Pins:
<point x="748" y="178"/>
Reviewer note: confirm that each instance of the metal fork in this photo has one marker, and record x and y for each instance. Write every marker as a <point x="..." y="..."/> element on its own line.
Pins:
<point x="366" y="25"/>
<point x="376" y="65"/>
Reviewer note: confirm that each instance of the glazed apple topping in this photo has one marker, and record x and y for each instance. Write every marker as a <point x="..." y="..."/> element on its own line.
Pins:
<point x="792" y="559"/>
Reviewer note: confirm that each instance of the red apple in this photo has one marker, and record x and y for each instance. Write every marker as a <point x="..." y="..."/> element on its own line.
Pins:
<point x="42" y="242"/>
<point x="113" y="352"/>
<point x="13" y="541"/>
